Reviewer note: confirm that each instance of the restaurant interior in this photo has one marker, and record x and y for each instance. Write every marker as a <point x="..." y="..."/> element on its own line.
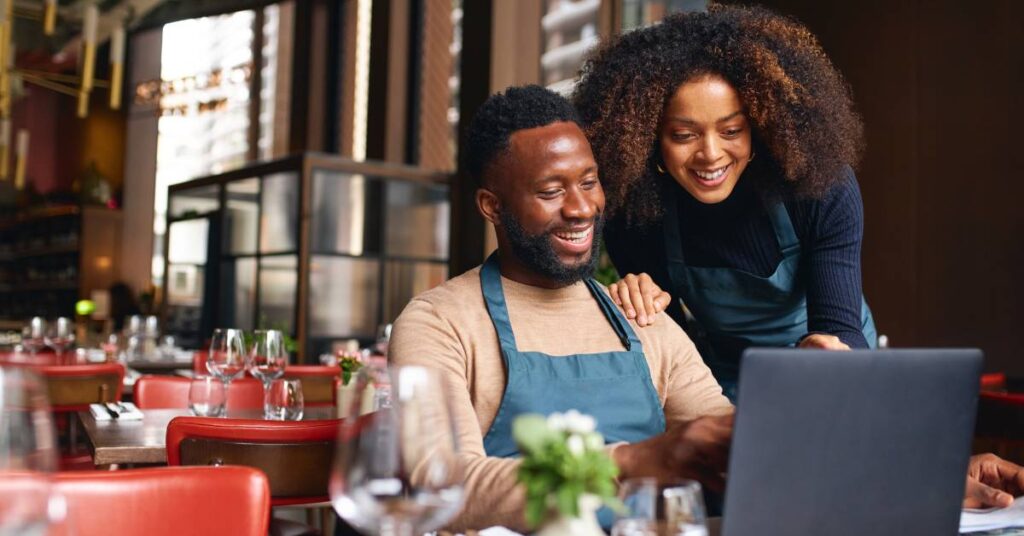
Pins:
<point x="183" y="178"/>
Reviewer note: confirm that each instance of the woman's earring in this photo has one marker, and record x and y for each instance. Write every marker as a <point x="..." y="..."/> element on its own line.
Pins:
<point x="752" y="155"/>
<point x="660" y="169"/>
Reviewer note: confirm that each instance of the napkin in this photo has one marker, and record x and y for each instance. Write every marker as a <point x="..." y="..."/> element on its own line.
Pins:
<point x="978" y="520"/>
<point x="126" y="411"/>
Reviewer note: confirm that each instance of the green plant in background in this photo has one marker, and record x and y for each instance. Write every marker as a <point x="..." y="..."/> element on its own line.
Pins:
<point x="563" y="458"/>
<point x="289" y="343"/>
<point x="605" y="273"/>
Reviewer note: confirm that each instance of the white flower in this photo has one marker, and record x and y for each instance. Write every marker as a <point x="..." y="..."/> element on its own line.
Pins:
<point x="575" y="445"/>
<point x="594" y="441"/>
<point x="579" y="423"/>
<point x="556" y="422"/>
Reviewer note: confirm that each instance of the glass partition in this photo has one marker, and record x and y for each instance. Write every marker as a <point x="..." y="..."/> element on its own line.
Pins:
<point x="322" y="247"/>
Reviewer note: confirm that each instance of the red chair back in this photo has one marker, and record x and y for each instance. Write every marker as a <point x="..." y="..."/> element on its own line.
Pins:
<point x="296" y="456"/>
<point x="995" y="381"/>
<point x="199" y="362"/>
<point x="319" y="383"/>
<point x="167" y="501"/>
<point x="74" y="387"/>
<point x="171" y="392"/>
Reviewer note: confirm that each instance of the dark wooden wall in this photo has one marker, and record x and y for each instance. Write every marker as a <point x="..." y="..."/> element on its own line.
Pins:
<point x="940" y="84"/>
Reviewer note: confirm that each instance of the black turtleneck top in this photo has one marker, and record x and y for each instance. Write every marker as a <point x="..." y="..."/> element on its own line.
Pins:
<point x="738" y="234"/>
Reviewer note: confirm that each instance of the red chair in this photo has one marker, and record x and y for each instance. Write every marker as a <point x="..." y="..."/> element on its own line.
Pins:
<point x="319" y="383"/>
<point x="72" y="388"/>
<point x="163" y="392"/>
<point x="167" y="501"/>
<point x="199" y="362"/>
<point x="995" y="381"/>
<point x="295" y="455"/>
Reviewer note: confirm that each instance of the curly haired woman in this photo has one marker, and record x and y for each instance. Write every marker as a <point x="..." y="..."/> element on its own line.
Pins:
<point x="726" y="142"/>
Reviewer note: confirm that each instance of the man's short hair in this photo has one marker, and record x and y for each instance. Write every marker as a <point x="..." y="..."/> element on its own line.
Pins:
<point x="503" y="114"/>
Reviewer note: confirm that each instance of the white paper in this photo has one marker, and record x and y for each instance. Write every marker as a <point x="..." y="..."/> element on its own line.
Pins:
<point x="978" y="520"/>
<point x="128" y="413"/>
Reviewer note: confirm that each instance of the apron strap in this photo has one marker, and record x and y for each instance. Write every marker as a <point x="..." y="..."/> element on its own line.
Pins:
<point x="494" y="297"/>
<point x="677" y="272"/>
<point x="614" y="316"/>
<point x="789" y="244"/>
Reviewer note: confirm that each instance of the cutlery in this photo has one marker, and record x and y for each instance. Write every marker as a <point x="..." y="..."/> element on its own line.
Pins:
<point x="111" y="411"/>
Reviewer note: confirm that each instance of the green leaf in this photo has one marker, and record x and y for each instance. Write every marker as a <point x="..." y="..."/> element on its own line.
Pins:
<point x="567" y="499"/>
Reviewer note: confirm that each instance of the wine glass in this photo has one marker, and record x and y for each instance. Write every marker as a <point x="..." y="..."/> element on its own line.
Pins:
<point x="684" y="509"/>
<point x="60" y="335"/>
<point x="396" y="470"/>
<point x="268" y="358"/>
<point x="27" y="455"/>
<point x="33" y="336"/>
<point x="227" y="358"/>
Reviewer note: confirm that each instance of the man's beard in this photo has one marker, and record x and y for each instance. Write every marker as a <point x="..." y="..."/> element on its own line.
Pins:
<point x="538" y="253"/>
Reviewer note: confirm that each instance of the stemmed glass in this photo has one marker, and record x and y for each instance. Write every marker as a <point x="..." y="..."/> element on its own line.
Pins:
<point x="27" y="455"/>
<point x="396" y="470"/>
<point x="60" y="335"/>
<point x="33" y="336"/>
<point x="268" y="358"/>
<point x="227" y="358"/>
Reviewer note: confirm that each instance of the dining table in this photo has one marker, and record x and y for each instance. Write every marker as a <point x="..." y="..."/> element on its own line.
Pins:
<point x="143" y="441"/>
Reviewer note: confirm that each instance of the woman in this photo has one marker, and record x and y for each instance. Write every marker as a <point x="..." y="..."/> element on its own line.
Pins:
<point x="726" y="142"/>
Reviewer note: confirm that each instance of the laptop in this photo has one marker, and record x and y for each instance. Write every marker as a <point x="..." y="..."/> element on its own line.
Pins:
<point x="866" y="442"/>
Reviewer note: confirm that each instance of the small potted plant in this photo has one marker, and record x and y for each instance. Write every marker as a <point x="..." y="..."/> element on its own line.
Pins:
<point x="566" y="471"/>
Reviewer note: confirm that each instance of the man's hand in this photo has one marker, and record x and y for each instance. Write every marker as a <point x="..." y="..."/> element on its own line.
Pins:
<point x="823" y="341"/>
<point x="698" y="449"/>
<point x="639" y="297"/>
<point x="992" y="481"/>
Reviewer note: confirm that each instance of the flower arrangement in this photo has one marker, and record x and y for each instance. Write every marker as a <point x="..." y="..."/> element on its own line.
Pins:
<point x="563" y="459"/>
<point x="349" y="365"/>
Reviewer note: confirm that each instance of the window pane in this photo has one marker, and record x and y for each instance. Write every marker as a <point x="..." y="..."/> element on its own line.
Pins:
<point x="343" y="297"/>
<point x="404" y="280"/>
<point x="639" y="13"/>
<point x="238" y="293"/>
<point x="569" y="32"/>
<point x="195" y="201"/>
<point x="343" y="208"/>
<point x="188" y="241"/>
<point x="185" y="284"/>
<point x="417" y="224"/>
<point x="279" y="218"/>
<point x="241" y="217"/>
<point x="278" y="281"/>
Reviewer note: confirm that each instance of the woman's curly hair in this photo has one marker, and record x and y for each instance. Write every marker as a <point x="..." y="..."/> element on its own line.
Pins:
<point x="799" y="106"/>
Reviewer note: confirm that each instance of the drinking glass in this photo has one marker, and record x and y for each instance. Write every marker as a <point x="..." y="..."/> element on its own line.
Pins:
<point x="27" y="455"/>
<point x="33" y="336"/>
<point x="60" y="335"/>
<point x="684" y="509"/>
<point x="207" y="397"/>
<point x="396" y="470"/>
<point x="640" y="498"/>
<point x="268" y="358"/>
<point x="227" y="358"/>
<point x="283" y="400"/>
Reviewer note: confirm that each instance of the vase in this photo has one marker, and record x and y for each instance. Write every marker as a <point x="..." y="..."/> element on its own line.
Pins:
<point x="585" y="524"/>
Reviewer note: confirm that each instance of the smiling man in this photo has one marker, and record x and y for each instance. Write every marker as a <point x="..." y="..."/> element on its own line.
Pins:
<point x="530" y="332"/>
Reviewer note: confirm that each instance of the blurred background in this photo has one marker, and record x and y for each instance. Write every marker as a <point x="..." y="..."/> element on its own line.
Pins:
<point x="294" y="165"/>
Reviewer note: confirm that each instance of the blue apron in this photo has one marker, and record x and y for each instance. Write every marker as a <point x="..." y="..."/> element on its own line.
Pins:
<point x="735" y="309"/>
<point x="614" y="387"/>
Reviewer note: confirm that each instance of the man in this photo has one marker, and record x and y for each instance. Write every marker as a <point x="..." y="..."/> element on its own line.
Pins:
<point x="530" y="332"/>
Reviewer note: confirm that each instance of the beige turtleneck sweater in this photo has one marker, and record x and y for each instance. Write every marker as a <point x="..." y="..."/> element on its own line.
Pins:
<point x="448" y="328"/>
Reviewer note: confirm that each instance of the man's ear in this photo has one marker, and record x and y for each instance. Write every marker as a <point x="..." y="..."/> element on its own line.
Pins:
<point x="488" y="205"/>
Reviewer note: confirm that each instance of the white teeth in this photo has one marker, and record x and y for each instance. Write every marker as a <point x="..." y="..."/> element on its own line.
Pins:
<point x="710" y="175"/>
<point x="577" y="236"/>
